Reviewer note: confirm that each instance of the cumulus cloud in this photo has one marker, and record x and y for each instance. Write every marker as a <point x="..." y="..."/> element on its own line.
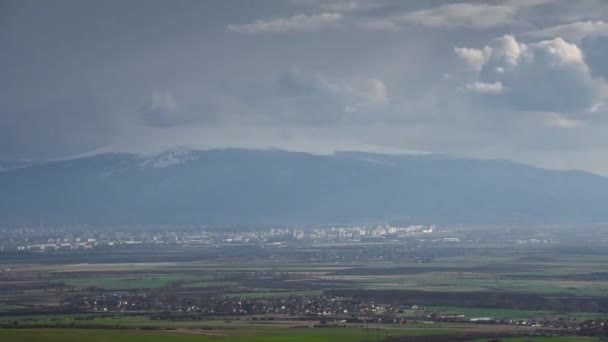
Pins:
<point x="549" y="75"/>
<point x="591" y="36"/>
<point x="475" y="58"/>
<point x="296" y="23"/>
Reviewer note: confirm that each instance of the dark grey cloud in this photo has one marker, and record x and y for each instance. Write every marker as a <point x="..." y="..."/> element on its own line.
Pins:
<point x="72" y="126"/>
<point x="596" y="54"/>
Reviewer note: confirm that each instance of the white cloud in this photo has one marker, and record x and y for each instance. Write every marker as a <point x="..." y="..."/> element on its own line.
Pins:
<point x="391" y="16"/>
<point x="475" y="15"/>
<point x="346" y="5"/>
<point x="486" y="88"/>
<point x="558" y="51"/>
<point x="559" y="121"/>
<point x="527" y="3"/>
<point x="505" y="51"/>
<point x="574" y="32"/>
<point x="296" y="23"/>
<point x="549" y="75"/>
<point x="450" y="16"/>
<point x="475" y="58"/>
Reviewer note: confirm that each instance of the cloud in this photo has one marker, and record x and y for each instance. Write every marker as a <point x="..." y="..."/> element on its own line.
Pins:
<point x="463" y="15"/>
<point x="574" y="32"/>
<point x="162" y="109"/>
<point x="386" y="15"/>
<point x="596" y="54"/>
<point x="549" y="75"/>
<point x="559" y="121"/>
<point x="343" y="5"/>
<point x="355" y="87"/>
<point x="374" y="91"/>
<point x="311" y="97"/>
<point x="591" y="36"/>
<point x="452" y="16"/>
<point x="394" y="16"/>
<point x="71" y="125"/>
<point x="356" y="93"/>
<point x="475" y="58"/>
<point x="486" y="88"/>
<point x="473" y="15"/>
<point x="296" y="23"/>
<point x="161" y="102"/>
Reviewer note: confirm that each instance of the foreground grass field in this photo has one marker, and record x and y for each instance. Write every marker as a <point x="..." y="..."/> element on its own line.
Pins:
<point x="261" y="335"/>
<point x="280" y="335"/>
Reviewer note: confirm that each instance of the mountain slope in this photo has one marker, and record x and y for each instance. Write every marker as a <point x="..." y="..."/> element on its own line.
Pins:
<point x="247" y="186"/>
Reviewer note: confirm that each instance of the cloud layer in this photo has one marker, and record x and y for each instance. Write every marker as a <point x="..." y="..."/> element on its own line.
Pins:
<point x="514" y="79"/>
<point x="299" y="22"/>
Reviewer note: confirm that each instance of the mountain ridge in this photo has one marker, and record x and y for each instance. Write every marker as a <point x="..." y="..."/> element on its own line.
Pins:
<point x="240" y="186"/>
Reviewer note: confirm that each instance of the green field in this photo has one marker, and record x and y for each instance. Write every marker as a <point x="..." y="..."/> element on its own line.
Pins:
<point x="262" y="335"/>
<point x="276" y="293"/>
<point x="194" y="300"/>
<point x="250" y="335"/>
<point x="125" y="282"/>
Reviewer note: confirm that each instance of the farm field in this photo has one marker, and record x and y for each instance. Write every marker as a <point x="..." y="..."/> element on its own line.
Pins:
<point x="326" y="292"/>
<point x="264" y="335"/>
<point x="295" y="335"/>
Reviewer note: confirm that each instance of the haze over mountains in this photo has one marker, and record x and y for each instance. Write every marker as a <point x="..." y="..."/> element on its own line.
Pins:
<point x="235" y="186"/>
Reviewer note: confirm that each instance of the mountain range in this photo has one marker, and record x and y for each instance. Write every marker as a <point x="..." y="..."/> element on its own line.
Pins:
<point x="235" y="186"/>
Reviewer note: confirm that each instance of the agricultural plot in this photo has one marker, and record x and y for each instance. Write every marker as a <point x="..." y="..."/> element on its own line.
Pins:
<point x="276" y="296"/>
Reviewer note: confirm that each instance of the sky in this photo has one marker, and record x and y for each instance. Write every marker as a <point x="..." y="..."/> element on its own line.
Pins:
<point x="524" y="80"/>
